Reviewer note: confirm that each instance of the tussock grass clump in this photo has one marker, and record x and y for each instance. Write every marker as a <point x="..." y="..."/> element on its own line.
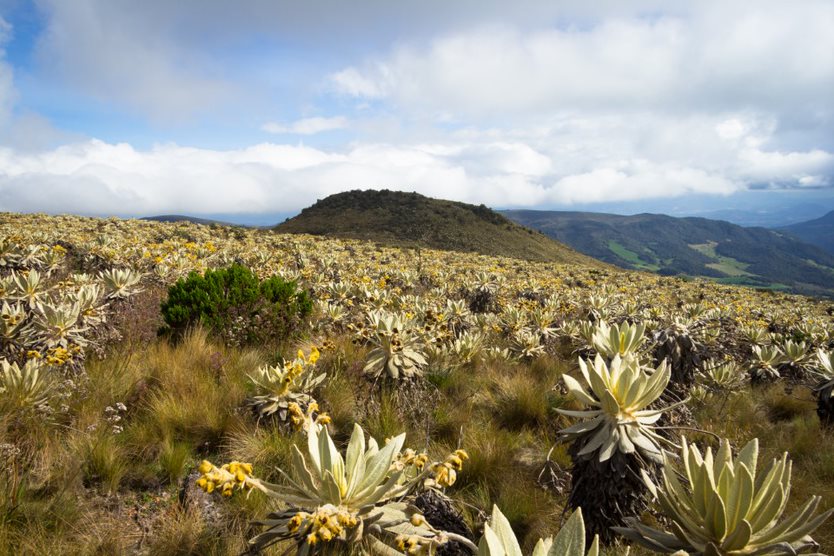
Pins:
<point x="173" y="460"/>
<point x="104" y="461"/>
<point x="339" y="399"/>
<point x="448" y="417"/>
<point x="530" y="510"/>
<point x="520" y="401"/>
<point x="385" y="419"/>
<point x="190" y="396"/>
<point x="186" y="533"/>
<point x="266" y="448"/>
<point x="492" y="457"/>
<point x="785" y="405"/>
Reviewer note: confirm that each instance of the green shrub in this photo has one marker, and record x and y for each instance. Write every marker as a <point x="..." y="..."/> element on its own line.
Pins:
<point x="236" y="306"/>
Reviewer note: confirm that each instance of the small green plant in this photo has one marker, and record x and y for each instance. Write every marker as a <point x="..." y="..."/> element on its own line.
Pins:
<point x="622" y="339"/>
<point x="286" y="389"/>
<point x="24" y="387"/>
<point x="236" y="306"/>
<point x="825" y="387"/>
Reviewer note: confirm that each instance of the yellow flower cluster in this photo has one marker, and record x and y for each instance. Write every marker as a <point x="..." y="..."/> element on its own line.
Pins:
<point x="325" y="524"/>
<point x="415" y="544"/>
<point x="445" y="473"/>
<point x="410" y="457"/>
<point x="59" y="355"/>
<point x="313" y="357"/>
<point x="225" y="478"/>
<point x="299" y="418"/>
<point x="295" y="368"/>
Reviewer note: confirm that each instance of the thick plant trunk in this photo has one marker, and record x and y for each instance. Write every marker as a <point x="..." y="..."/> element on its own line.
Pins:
<point x="608" y="491"/>
<point x="441" y="514"/>
<point x="793" y="372"/>
<point x="825" y="404"/>
<point x="683" y="355"/>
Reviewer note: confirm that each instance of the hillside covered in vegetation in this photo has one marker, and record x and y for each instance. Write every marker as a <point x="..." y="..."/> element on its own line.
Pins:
<point x="726" y="252"/>
<point x="413" y="220"/>
<point x="172" y="388"/>
<point x="819" y="232"/>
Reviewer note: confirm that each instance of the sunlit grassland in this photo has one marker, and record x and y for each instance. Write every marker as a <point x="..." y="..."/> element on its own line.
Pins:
<point x="186" y="403"/>
<point x="110" y="468"/>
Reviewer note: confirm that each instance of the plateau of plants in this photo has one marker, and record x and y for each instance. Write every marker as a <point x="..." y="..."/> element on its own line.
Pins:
<point x="175" y="388"/>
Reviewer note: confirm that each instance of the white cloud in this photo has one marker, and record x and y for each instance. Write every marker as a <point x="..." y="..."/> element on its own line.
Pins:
<point x="350" y="82"/>
<point x="638" y="179"/>
<point x="717" y="56"/>
<point x="730" y="129"/>
<point x="308" y="126"/>
<point x="605" y="162"/>
<point x="778" y="168"/>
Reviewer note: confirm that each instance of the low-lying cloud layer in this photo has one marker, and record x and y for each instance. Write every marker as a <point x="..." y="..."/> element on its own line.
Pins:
<point x="576" y="162"/>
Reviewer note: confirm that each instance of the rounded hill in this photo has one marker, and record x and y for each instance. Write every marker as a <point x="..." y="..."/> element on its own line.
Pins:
<point x="413" y="220"/>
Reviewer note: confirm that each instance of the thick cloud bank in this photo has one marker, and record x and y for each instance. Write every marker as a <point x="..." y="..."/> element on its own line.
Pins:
<point x="574" y="162"/>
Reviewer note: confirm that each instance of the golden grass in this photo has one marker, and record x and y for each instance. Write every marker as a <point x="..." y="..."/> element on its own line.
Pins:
<point x="186" y="402"/>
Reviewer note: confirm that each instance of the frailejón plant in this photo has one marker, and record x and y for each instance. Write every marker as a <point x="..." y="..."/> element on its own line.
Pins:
<point x="724" y="506"/>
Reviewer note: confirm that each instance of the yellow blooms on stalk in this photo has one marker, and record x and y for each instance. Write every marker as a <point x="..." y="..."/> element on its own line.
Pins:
<point x="296" y="415"/>
<point x="445" y="473"/>
<point x="327" y="523"/>
<point x="58" y="355"/>
<point x="300" y="419"/>
<point x="226" y="478"/>
<point x="410" y="457"/>
<point x="413" y="544"/>
<point x="457" y="458"/>
<point x="311" y="359"/>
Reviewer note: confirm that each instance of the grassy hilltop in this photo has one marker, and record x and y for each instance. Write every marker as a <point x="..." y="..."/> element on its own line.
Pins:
<point x="104" y="424"/>
<point x="413" y="220"/>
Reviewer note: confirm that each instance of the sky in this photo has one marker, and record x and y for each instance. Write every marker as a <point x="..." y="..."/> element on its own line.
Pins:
<point x="257" y="108"/>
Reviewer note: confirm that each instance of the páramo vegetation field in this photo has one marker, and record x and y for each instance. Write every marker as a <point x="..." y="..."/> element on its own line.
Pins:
<point x="188" y="389"/>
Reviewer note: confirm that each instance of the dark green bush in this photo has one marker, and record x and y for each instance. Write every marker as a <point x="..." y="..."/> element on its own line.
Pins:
<point x="233" y="304"/>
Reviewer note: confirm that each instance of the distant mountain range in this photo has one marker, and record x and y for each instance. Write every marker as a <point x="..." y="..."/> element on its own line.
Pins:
<point x="412" y="220"/>
<point x="819" y="232"/>
<point x="691" y="246"/>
